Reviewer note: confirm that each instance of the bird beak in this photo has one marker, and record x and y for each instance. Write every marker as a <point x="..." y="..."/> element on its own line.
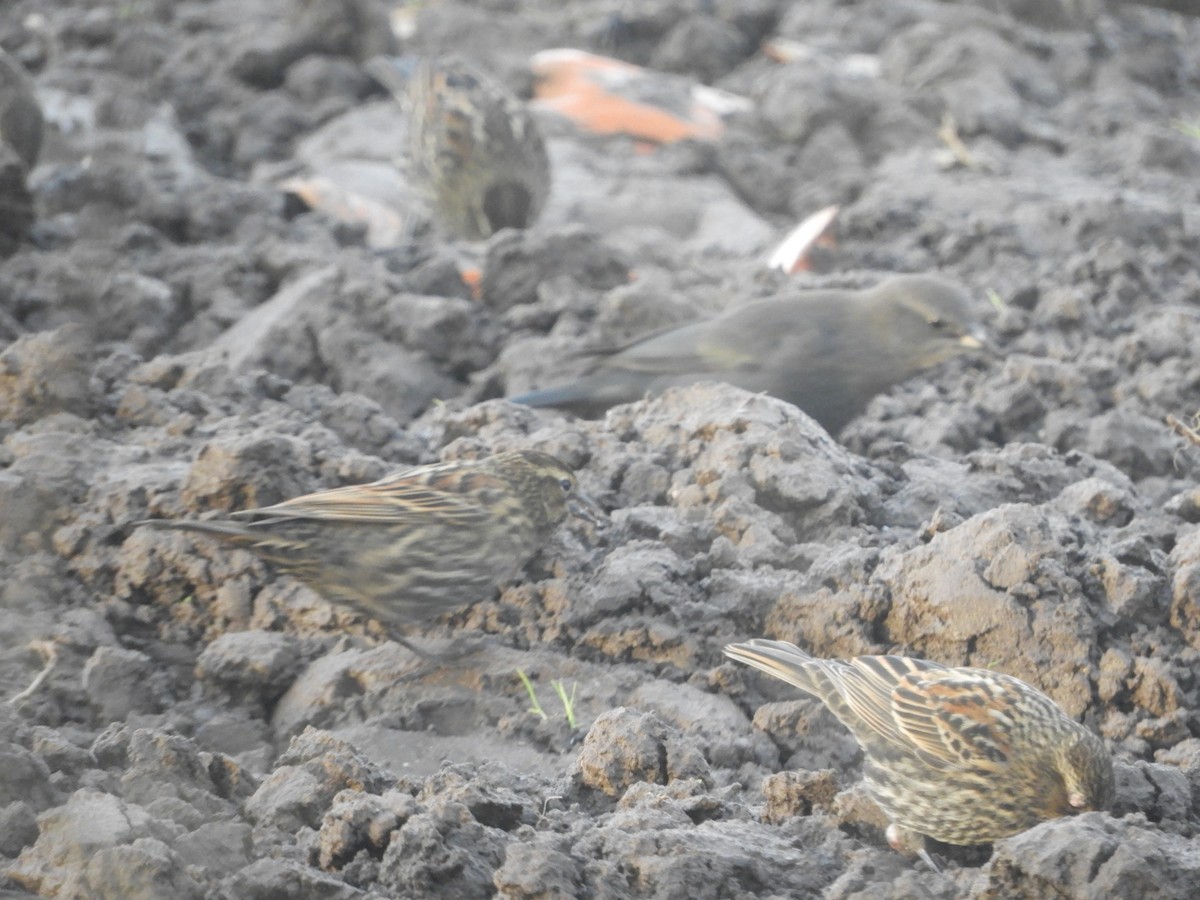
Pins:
<point x="584" y="507"/>
<point x="975" y="339"/>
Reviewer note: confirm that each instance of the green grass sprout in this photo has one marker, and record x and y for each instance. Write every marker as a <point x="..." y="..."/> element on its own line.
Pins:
<point x="534" y="706"/>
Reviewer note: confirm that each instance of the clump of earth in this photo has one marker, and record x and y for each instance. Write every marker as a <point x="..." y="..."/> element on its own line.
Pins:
<point x="182" y="334"/>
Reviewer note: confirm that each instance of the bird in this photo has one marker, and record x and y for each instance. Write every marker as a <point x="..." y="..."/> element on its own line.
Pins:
<point x="827" y="351"/>
<point x="475" y="149"/>
<point x="21" y="126"/>
<point x="21" y="120"/>
<point x="417" y="543"/>
<point x="961" y="755"/>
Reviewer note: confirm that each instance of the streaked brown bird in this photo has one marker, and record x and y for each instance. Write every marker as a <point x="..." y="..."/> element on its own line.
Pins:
<point x="474" y="146"/>
<point x="964" y="756"/>
<point x="419" y="543"/>
<point x="826" y="351"/>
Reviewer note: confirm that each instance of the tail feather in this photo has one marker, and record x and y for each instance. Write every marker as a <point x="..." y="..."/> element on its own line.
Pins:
<point x="785" y="661"/>
<point x="858" y="702"/>
<point x="559" y="395"/>
<point x="589" y="396"/>
<point x="288" y="552"/>
<point x="218" y="527"/>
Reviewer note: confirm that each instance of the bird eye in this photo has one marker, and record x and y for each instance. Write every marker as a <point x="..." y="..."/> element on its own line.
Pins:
<point x="937" y="322"/>
<point x="566" y="484"/>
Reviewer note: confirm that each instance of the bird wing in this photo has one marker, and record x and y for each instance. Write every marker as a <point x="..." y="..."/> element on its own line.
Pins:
<point x="672" y="352"/>
<point x="866" y="685"/>
<point x="744" y="336"/>
<point x="399" y="499"/>
<point x="948" y="718"/>
<point x="956" y="718"/>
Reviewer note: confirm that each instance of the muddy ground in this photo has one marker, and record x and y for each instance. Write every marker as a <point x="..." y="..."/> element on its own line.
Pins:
<point x="182" y="336"/>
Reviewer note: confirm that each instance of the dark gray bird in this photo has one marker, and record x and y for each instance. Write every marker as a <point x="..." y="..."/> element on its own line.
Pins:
<point x="419" y="543"/>
<point x="826" y="351"/>
<point x="965" y="756"/>
<point x="21" y="120"/>
<point x="476" y="151"/>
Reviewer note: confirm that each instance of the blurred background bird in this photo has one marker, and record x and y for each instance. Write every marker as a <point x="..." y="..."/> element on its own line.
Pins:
<point x="21" y="127"/>
<point x="474" y="147"/>
<point x="21" y="121"/>
<point x="964" y="756"/>
<point x="419" y="543"/>
<point x="826" y="351"/>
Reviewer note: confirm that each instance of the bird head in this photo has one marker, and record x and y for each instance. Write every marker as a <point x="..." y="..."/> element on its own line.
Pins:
<point x="546" y="487"/>
<point x="934" y="319"/>
<point x="1086" y="769"/>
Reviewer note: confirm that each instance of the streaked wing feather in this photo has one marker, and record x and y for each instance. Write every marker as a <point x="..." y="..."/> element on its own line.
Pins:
<point x="395" y="500"/>
<point x="866" y="683"/>
<point x="949" y="717"/>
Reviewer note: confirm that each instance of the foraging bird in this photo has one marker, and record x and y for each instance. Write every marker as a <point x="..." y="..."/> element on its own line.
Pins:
<point x="826" y="351"/>
<point x="474" y="146"/>
<point x="21" y="127"/>
<point x="21" y="122"/>
<point x="964" y="756"/>
<point x="419" y="543"/>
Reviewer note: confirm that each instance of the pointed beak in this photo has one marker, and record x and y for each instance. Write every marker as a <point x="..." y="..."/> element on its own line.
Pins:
<point x="584" y="507"/>
<point x="975" y="339"/>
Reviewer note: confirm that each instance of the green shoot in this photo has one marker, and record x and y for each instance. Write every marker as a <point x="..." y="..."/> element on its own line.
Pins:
<point x="534" y="706"/>
<point x="560" y="689"/>
<point x="1191" y="129"/>
<point x="568" y="702"/>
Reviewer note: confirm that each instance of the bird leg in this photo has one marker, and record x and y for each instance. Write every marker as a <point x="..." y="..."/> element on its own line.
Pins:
<point x="910" y="844"/>
<point x="928" y="860"/>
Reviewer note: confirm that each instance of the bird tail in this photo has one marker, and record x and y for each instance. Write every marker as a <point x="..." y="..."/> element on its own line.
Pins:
<point x="785" y="661"/>
<point x="590" y="396"/>
<point x="229" y="531"/>
<point x="552" y="396"/>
